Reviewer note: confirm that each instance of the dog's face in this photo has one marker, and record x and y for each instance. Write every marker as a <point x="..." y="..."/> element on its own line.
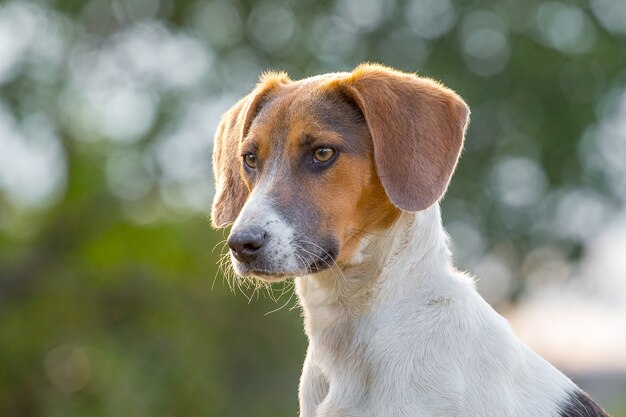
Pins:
<point x="307" y="169"/>
<point x="307" y="165"/>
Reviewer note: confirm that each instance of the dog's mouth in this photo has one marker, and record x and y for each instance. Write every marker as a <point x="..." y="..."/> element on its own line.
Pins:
<point x="313" y="263"/>
<point x="323" y="262"/>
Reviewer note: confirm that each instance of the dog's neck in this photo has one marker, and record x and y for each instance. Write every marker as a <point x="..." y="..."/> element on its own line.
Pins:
<point x="405" y="259"/>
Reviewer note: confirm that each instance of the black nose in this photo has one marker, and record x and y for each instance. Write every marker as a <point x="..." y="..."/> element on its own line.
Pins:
<point x="246" y="243"/>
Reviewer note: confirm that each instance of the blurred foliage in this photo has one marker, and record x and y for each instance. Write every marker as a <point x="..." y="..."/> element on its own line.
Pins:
<point x="111" y="303"/>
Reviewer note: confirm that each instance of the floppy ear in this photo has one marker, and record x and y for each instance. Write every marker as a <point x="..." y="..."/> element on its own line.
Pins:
<point x="417" y="126"/>
<point x="230" y="190"/>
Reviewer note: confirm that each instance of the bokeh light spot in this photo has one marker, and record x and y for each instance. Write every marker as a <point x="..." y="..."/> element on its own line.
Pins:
<point x="431" y="19"/>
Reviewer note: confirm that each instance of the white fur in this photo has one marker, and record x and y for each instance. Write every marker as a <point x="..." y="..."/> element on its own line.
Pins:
<point x="402" y="333"/>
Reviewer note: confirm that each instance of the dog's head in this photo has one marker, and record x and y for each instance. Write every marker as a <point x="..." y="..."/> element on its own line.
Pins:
<point x="306" y="169"/>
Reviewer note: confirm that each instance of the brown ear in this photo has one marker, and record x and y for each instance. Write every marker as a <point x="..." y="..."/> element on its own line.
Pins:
<point x="417" y="126"/>
<point x="230" y="190"/>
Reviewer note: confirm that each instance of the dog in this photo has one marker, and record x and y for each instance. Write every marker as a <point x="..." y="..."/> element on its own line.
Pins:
<point x="336" y="181"/>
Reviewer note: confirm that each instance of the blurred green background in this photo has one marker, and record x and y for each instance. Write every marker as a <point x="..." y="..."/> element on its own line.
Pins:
<point x="111" y="303"/>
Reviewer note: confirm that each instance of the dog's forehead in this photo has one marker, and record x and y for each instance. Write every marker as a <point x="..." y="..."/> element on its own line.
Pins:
<point x="298" y="100"/>
<point x="306" y="107"/>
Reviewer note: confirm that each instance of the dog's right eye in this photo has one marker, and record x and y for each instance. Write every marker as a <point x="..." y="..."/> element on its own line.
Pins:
<point x="250" y="160"/>
<point x="323" y="154"/>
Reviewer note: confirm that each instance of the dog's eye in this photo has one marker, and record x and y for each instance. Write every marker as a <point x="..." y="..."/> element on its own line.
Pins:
<point x="250" y="160"/>
<point x="323" y="154"/>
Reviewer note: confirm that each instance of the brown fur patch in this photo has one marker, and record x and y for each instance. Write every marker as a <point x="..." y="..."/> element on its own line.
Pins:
<point x="417" y="126"/>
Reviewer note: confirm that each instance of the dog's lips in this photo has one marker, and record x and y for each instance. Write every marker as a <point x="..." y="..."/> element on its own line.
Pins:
<point x="318" y="264"/>
<point x="322" y="262"/>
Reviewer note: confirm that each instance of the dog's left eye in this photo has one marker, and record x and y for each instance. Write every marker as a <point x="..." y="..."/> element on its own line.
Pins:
<point x="250" y="160"/>
<point x="323" y="154"/>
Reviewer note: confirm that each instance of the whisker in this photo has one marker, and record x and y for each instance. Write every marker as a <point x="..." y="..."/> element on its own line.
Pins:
<point x="330" y="266"/>
<point x="221" y="242"/>
<point x="283" y="306"/>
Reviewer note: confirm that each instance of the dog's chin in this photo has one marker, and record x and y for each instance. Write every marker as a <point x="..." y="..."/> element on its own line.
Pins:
<point x="276" y="275"/>
<point x="265" y="274"/>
